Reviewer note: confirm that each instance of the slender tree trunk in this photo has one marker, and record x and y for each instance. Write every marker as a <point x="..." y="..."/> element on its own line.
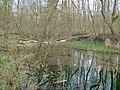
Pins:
<point x="92" y="18"/>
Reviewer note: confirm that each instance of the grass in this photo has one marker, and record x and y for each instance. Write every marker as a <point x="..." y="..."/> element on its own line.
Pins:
<point x="91" y="45"/>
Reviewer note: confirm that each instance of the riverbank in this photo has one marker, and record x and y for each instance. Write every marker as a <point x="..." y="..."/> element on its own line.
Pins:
<point x="91" y="45"/>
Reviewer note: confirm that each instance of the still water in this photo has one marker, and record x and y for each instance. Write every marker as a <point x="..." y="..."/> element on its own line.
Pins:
<point x="86" y="70"/>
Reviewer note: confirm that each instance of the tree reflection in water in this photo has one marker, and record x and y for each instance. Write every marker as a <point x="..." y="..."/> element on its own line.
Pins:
<point x="87" y="71"/>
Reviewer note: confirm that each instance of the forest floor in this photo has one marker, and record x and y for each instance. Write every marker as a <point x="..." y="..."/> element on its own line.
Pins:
<point x="88" y="41"/>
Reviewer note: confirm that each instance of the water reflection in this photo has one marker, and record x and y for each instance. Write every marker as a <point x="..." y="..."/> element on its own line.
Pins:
<point x="86" y="71"/>
<point x="98" y="71"/>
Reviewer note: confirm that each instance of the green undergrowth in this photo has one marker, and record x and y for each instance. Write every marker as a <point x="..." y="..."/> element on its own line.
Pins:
<point x="91" y="45"/>
<point x="8" y="70"/>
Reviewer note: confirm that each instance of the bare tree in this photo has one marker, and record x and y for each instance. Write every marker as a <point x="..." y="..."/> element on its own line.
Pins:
<point x="113" y="16"/>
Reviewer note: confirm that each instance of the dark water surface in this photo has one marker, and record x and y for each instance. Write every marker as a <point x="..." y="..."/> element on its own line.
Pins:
<point x="86" y="71"/>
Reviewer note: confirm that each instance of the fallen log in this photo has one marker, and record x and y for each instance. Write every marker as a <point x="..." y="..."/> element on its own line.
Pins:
<point x="26" y="42"/>
<point x="78" y="37"/>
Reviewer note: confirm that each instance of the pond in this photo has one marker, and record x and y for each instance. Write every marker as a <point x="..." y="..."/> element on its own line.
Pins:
<point x="86" y="70"/>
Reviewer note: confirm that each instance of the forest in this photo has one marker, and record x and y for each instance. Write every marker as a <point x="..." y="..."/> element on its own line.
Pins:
<point x="59" y="44"/>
